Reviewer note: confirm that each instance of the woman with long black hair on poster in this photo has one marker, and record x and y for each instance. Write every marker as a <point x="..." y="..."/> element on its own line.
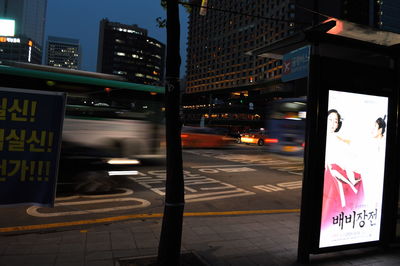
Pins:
<point x="354" y="168"/>
<point x="343" y="186"/>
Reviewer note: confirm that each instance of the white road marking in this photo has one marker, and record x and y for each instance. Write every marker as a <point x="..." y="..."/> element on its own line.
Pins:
<point x="280" y="186"/>
<point x="225" y="165"/>
<point x="227" y="170"/>
<point x="237" y="170"/>
<point x="195" y="184"/>
<point x="287" y="168"/>
<point x="291" y="185"/>
<point x="269" y="188"/>
<point x="208" y="170"/>
<point x="296" y="173"/>
<point x="114" y="173"/>
<point x="294" y="167"/>
<point x="190" y="189"/>
<point x="219" y="195"/>
<point x="125" y="193"/>
<point x="34" y="210"/>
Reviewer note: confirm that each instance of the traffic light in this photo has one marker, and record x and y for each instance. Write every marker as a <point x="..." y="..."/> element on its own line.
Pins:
<point x="242" y="98"/>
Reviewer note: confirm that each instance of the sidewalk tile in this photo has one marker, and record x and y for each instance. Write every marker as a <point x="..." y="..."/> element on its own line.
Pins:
<point x="71" y="257"/>
<point x="125" y="253"/>
<point x="99" y="255"/>
<point x="97" y="246"/>
<point x="247" y="240"/>
<point x="72" y="248"/>
<point x="100" y="263"/>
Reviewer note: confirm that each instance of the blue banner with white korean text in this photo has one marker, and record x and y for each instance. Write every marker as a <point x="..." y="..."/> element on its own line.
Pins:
<point x="295" y="64"/>
<point x="30" y="142"/>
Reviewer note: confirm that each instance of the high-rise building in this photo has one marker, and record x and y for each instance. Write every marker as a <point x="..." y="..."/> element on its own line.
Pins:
<point x="223" y="77"/>
<point x="63" y="52"/>
<point x="128" y="51"/>
<point x="25" y="42"/>
<point x="218" y="42"/>
<point x="220" y="73"/>
<point x="380" y="14"/>
<point x="386" y="14"/>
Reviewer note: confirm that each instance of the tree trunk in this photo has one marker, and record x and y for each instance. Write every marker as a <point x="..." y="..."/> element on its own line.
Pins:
<point x="169" y="248"/>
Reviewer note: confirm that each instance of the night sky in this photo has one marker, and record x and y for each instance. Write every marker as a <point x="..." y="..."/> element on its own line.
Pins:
<point x="80" y="19"/>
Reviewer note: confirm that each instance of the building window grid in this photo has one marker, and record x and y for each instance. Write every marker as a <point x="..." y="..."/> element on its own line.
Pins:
<point x="221" y="62"/>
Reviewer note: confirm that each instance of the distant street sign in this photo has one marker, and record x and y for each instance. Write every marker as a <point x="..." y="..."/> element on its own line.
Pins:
<point x="295" y="64"/>
<point x="30" y="140"/>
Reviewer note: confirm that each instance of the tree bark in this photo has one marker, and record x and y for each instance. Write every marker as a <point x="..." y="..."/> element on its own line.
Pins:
<point x="169" y="248"/>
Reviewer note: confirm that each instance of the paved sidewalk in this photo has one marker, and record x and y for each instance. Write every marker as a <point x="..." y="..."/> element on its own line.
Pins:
<point x="263" y="239"/>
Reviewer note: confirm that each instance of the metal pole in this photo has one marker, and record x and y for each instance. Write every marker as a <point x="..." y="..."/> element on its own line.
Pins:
<point x="171" y="232"/>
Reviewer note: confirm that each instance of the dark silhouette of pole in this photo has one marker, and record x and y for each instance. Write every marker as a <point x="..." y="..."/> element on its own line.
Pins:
<point x="169" y="248"/>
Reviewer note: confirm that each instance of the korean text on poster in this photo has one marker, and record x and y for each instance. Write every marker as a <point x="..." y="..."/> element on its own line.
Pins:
<point x="30" y="136"/>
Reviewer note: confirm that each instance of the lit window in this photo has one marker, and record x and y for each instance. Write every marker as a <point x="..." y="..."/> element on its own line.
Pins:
<point x="119" y="72"/>
<point x="153" y="43"/>
<point x="151" y="77"/>
<point x="120" y="54"/>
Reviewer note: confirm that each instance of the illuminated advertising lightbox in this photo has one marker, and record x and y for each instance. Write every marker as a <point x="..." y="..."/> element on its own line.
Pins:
<point x="354" y="169"/>
<point x="7" y="27"/>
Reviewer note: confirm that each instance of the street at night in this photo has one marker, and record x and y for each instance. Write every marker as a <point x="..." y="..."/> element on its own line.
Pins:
<point x="234" y="179"/>
<point x="199" y="132"/>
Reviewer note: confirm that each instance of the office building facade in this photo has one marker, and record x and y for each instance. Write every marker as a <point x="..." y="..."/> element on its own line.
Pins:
<point x="386" y="15"/>
<point x="218" y="42"/>
<point x="25" y="42"/>
<point x="63" y="52"/>
<point x="225" y="81"/>
<point x="380" y="14"/>
<point x="128" y="51"/>
<point x="222" y="76"/>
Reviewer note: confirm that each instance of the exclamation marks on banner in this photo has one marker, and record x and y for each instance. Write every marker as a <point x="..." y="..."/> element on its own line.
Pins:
<point x="3" y="170"/>
<point x="32" y="170"/>
<point x="48" y="164"/>
<point x="33" y="111"/>
<point x="50" y="141"/>
<point x="40" y="169"/>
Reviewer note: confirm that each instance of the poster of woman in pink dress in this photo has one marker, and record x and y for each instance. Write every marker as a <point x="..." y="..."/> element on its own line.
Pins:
<point x="354" y="169"/>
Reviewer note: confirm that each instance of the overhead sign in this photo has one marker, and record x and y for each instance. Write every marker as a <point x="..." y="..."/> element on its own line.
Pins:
<point x="295" y="64"/>
<point x="30" y="140"/>
<point x="7" y="27"/>
<point x="354" y="169"/>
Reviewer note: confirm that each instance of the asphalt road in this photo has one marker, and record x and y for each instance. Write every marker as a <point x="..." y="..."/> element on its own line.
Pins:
<point x="238" y="179"/>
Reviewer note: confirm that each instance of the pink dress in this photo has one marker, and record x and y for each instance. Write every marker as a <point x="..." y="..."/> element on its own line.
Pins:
<point x="332" y="205"/>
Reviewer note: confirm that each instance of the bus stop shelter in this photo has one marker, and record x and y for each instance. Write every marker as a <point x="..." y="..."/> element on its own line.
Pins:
<point x="350" y="189"/>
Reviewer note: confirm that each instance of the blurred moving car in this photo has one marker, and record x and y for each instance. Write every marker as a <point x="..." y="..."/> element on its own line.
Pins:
<point x="204" y="137"/>
<point x="258" y="137"/>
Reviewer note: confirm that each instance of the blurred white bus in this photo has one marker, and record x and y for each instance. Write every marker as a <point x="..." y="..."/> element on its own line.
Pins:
<point x="106" y="116"/>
